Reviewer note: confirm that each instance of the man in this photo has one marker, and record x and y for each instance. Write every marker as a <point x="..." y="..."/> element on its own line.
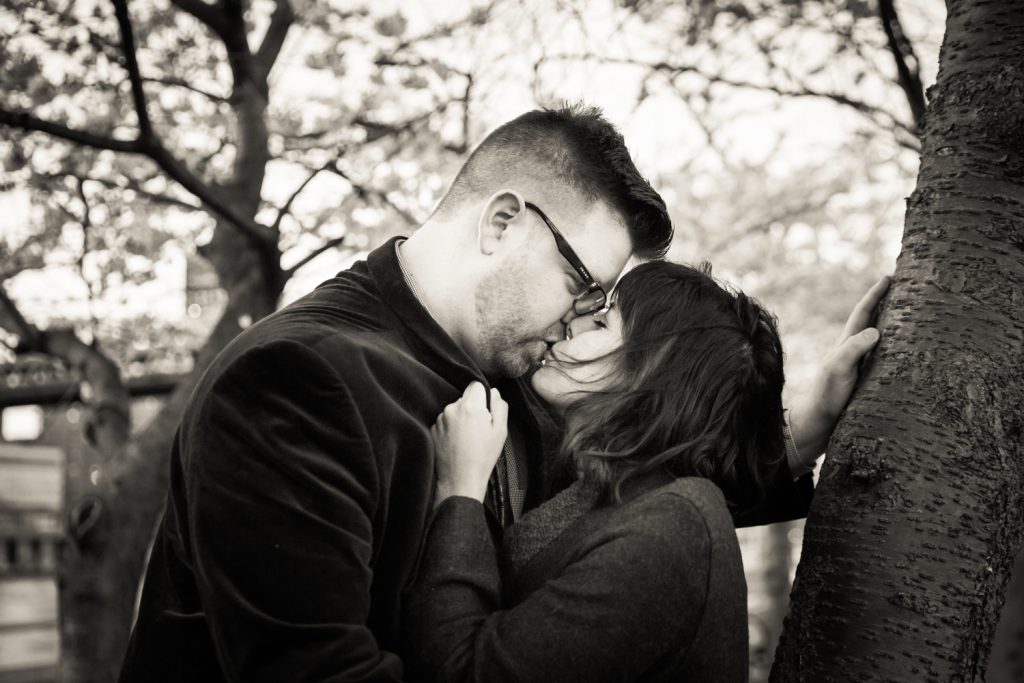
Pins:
<point x="302" y="472"/>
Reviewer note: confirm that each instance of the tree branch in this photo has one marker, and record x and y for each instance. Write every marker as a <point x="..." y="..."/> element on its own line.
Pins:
<point x="205" y="13"/>
<point x="240" y="58"/>
<point x="263" y="239"/>
<point x="137" y="188"/>
<point x="270" y="48"/>
<point x="132" y="65"/>
<point x="326" y="246"/>
<point x="182" y="83"/>
<point x="908" y="76"/>
<point x="286" y="208"/>
<point x="364" y="191"/>
<point x="26" y="121"/>
<point x="376" y="130"/>
<point x="260" y="235"/>
<point x="131" y="185"/>
<point x="878" y="116"/>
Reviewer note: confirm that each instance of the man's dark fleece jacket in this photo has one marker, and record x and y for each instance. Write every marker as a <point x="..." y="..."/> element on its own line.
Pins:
<point x="301" y="481"/>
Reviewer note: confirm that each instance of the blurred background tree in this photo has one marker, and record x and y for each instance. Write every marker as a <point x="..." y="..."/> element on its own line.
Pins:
<point x="173" y="170"/>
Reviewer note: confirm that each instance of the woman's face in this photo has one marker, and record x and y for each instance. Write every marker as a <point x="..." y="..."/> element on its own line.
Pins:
<point x="580" y="365"/>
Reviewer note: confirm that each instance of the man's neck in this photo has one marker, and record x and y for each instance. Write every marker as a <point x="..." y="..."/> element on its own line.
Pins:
<point x="428" y="272"/>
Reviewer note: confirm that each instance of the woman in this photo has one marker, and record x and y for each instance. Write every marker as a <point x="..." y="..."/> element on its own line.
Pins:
<point x="673" y="408"/>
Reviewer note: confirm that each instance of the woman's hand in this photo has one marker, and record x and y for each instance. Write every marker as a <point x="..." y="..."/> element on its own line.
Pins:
<point x="814" y="415"/>
<point x="468" y="439"/>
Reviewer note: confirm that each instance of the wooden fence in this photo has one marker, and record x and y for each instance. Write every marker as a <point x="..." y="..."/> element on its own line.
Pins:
<point x="31" y="533"/>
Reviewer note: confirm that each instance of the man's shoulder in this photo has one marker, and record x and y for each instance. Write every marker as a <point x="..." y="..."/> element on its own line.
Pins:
<point x="348" y="350"/>
<point x="343" y="321"/>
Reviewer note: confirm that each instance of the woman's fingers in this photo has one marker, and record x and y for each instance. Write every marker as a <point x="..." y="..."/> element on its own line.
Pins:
<point x="850" y="352"/>
<point x="475" y="395"/>
<point x="864" y="312"/>
<point x="499" y="409"/>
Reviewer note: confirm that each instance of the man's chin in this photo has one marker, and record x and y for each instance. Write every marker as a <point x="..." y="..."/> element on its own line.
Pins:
<point x="520" y="365"/>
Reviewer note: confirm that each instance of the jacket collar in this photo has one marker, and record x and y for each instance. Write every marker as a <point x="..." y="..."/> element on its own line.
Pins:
<point x="422" y="332"/>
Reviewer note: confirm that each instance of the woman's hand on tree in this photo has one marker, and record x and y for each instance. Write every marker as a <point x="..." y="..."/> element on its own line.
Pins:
<point x="813" y="418"/>
<point x="468" y="439"/>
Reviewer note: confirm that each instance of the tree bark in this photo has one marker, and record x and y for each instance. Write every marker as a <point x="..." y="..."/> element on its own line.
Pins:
<point x="917" y="518"/>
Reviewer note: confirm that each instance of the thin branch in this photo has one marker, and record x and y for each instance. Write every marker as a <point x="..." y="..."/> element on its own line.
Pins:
<point x="467" y="94"/>
<point x="286" y="208"/>
<point x="476" y="16"/>
<point x="26" y="121"/>
<point x="182" y="83"/>
<point x="762" y="224"/>
<point x="131" y="185"/>
<point x="137" y="188"/>
<point x="375" y="130"/>
<point x="132" y="65"/>
<point x="273" y="40"/>
<point x="879" y="116"/>
<point x="86" y="222"/>
<point x="909" y="78"/>
<point x="260" y="235"/>
<point x="326" y="246"/>
<point x="364" y="191"/>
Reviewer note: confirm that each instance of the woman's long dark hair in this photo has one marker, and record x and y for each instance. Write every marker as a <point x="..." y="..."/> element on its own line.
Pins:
<point x="697" y="389"/>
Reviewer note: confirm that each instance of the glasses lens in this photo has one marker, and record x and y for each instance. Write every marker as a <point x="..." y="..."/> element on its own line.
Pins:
<point x="589" y="302"/>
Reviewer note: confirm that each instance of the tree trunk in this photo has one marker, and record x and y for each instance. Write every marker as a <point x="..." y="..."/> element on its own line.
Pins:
<point x="917" y="518"/>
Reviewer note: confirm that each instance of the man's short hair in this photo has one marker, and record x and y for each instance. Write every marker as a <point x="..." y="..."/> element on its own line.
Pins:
<point x="576" y="148"/>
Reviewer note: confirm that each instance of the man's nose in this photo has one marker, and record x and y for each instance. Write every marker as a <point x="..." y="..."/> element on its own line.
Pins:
<point x="579" y="325"/>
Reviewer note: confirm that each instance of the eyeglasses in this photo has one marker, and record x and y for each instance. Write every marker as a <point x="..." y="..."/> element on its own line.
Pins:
<point x="593" y="299"/>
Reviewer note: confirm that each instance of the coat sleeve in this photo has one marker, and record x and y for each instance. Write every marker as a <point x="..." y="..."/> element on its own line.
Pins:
<point x="282" y="485"/>
<point x="627" y="601"/>
<point x="785" y="499"/>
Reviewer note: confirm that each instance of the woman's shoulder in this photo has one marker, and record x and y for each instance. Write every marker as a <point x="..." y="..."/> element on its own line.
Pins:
<point x="692" y="509"/>
<point x="668" y="538"/>
<point x="698" y="493"/>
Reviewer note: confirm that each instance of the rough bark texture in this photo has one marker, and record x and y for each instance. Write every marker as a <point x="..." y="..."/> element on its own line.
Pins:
<point x="918" y="515"/>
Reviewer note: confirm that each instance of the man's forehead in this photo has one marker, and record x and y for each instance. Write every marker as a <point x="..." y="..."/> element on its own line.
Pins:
<point x="601" y="240"/>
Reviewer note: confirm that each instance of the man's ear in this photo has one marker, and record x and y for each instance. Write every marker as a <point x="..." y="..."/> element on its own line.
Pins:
<point x="502" y="210"/>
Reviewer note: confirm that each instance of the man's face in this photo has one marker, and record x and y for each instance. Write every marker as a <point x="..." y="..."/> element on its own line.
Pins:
<point x="524" y="303"/>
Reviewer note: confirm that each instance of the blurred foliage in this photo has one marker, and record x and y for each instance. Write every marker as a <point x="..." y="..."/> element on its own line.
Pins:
<point x="372" y="106"/>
